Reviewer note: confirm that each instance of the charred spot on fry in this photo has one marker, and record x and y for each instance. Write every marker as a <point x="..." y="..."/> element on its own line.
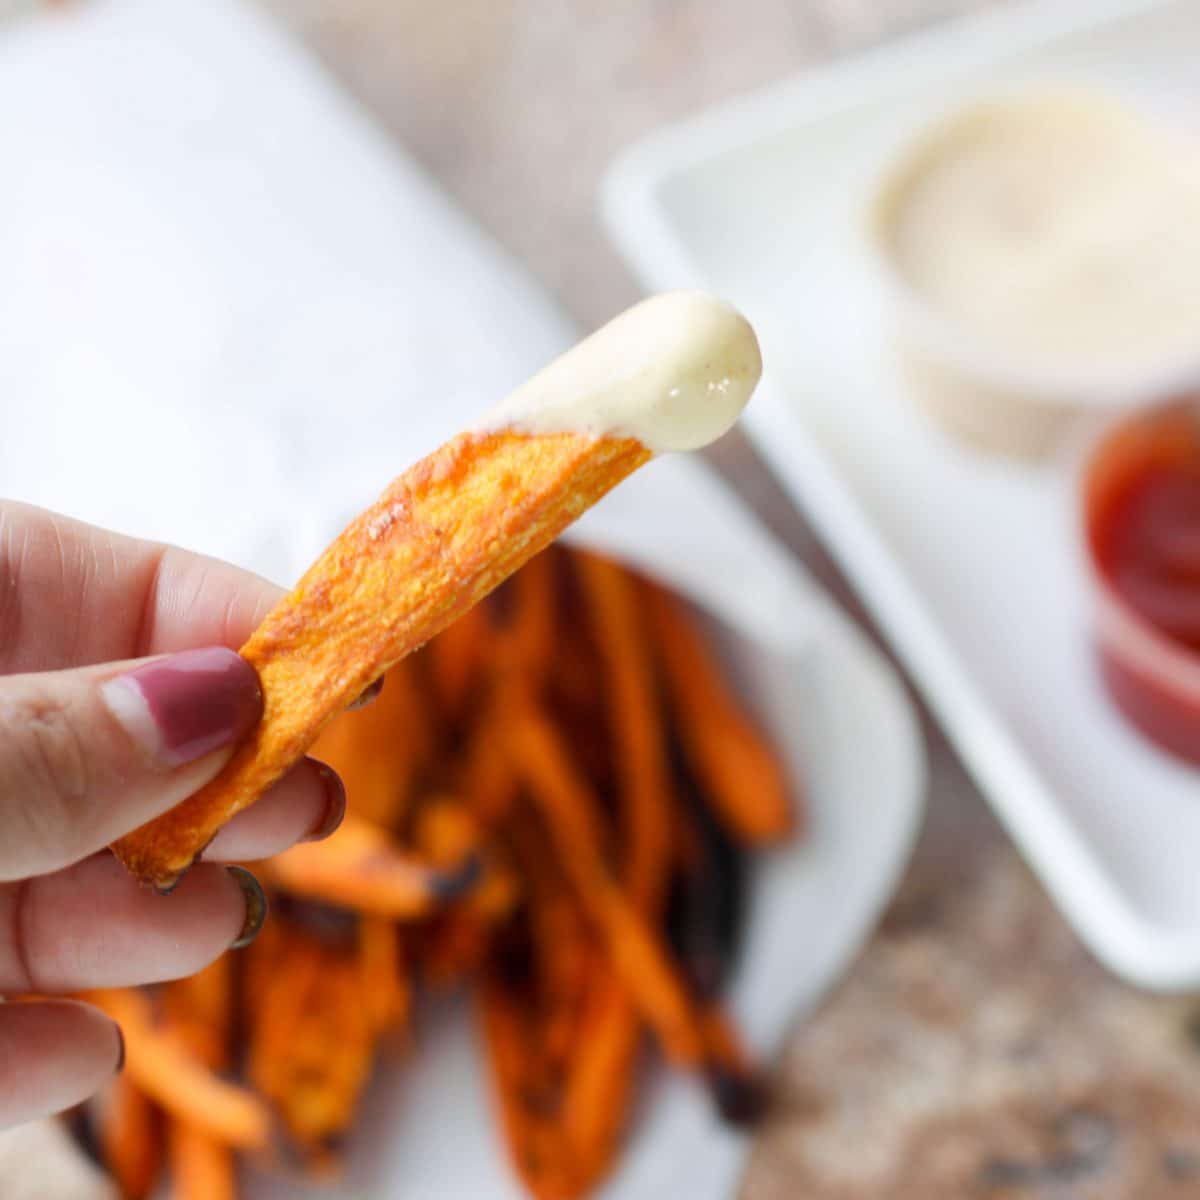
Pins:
<point x="706" y="906"/>
<point x="327" y="922"/>
<point x="450" y="885"/>
<point x="741" y="1100"/>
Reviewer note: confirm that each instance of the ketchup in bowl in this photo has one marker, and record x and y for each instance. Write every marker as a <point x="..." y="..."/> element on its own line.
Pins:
<point x="1141" y="507"/>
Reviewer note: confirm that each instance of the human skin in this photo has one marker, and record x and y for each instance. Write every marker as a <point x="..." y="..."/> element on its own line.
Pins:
<point x="120" y="694"/>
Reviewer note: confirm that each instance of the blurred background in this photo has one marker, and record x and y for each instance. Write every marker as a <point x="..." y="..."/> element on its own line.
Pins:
<point x="517" y="108"/>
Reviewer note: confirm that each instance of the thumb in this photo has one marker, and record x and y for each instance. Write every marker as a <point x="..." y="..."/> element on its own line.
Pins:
<point x="88" y="755"/>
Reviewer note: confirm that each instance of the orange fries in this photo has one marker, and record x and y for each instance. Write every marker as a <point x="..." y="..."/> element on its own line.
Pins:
<point x="551" y="807"/>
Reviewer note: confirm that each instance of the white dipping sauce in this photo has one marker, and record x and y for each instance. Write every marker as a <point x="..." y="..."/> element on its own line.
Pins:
<point x="1056" y="227"/>
<point x="673" y="372"/>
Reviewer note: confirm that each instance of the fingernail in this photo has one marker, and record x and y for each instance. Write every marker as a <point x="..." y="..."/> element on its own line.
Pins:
<point x="335" y="801"/>
<point x="182" y="707"/>
<point x="120" y="1049"/>
<point x="368" y="695"/>
<point x="256" y="906"/>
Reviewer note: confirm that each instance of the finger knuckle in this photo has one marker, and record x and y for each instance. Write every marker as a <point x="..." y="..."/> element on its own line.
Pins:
<point x="49" y="766"/>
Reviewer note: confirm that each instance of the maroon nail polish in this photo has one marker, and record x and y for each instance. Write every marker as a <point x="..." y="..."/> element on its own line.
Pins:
<point x="335" y="801"/>
<point x="184" y="706"/>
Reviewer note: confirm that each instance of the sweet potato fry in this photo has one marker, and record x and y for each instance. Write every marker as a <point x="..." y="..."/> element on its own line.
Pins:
<point x="562" y="948"/>
<point x="386" y="989"/>
<point x="159" y="1064"/>
<point x="454" y="943"/>
<point x="733" y="763"/>
<point x="362" y="868"/>
<point x="524" y="639"/>
<point x="639" y="745"/>
<point x="537" y="1145"/>
<point x="441" y="536"/>
<point x="199" y="1012"/>
<point x="599" y="1083"/>
<point x="738" y="1089"/>
<point x="379" y="750"/>
<point x="202" y="1167"/>
<point x="445" y="833"/>
<point x="258" y="965"/>
<point x="278" y="1005"/>
<point x="635" y="950"/>
<point x="457" y="657"/>
<point x="311" y="1054"/>
<point x="487" y="781"/>
<point x="707" y="899"/>
<point x="130" y="1138"/>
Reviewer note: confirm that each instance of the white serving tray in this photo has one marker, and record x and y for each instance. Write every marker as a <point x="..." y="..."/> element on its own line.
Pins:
<point x="966" y="562"/>
<point x="229" y="316"/>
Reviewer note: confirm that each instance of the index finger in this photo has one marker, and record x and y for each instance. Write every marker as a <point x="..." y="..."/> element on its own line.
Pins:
<point x="73" y="595"/>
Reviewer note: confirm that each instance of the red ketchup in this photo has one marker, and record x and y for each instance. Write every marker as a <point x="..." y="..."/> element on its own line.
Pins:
<point x="1142" y="522"/>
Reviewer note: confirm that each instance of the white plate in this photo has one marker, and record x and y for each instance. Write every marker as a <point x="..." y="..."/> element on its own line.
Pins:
<point x="229" y="317"/>
<point x="846" y="727"/>
<point x="966" y="562"/>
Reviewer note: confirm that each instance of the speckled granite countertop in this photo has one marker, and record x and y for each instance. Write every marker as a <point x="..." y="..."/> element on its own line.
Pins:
<point x="974" y="1050"/>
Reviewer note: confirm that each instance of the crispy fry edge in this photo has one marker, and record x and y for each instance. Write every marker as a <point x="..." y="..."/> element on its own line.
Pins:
<point x="441" y="536"/>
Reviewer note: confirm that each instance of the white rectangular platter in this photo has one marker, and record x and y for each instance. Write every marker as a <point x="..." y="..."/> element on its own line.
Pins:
<point x="967" y="562"/>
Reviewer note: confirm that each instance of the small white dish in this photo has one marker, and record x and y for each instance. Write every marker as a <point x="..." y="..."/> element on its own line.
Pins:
<point x="967" y="562"/>
<point x="1037" y="252"/>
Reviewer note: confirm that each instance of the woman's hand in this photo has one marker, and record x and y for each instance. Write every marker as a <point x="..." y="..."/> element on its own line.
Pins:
<point x="120" y="694"/>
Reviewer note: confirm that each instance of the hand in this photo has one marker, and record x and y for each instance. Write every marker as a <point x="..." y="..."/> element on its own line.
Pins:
<point x="120" y="694"/>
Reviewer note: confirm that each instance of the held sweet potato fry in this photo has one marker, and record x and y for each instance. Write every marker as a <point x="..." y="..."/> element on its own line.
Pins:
<point x="672" y="373"/>
<point x="439" y="539"/>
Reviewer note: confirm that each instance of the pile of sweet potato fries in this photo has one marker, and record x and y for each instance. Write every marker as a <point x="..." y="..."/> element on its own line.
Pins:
<point x="549" y="804"/>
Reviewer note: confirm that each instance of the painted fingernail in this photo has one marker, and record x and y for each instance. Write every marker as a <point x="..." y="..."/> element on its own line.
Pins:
<point x="335" y="801"/>
<point x="120" y="1049"/>
<point x="368" y="695"/>
<point x="256" y="906"/>
<point x="182" y="707"/>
